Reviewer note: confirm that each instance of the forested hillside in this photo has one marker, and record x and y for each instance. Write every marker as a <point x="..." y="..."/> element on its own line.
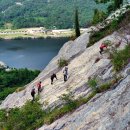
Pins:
<point x="48" y="13"/>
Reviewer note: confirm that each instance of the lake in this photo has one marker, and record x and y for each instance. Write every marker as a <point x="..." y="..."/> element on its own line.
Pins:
<point x="31" y="54"/>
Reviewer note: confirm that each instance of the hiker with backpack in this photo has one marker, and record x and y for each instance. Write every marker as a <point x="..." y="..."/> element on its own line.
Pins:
<point x="52" y="77"/>
<point x="65" y="73"/>
<point x="33" y="93"/>
<point x="102" y="48"/>
<point x="39" y="87"/>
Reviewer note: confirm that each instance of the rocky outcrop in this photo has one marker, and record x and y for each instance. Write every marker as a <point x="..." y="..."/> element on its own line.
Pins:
<point x="114" y="16"/>
<point x="68" y="51"/>
<point x="109" y="110"/>
<point x="106" y="111"/>
<point x="119" y="12"/>
<point x="80" y="69"/>
<point x="83" y="64"/>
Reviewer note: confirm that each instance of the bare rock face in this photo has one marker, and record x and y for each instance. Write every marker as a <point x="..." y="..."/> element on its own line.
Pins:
<point x="68" y="51"/>
<point x="107" y="111"/>
<point x="83" y="66"/>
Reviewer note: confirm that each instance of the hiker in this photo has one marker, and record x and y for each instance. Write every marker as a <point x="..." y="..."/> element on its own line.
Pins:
<point x="65" y="72"/>
<point x="39" y="86"/>
<point x="52" y="77"/>
<point x="102" y="47"/>
<point x="33" y="93"/>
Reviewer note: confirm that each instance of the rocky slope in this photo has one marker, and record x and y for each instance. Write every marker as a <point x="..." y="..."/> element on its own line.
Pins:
<point x="68" y="51"/>
<point x="82" y="65"/>
<point x="106" y="111"/>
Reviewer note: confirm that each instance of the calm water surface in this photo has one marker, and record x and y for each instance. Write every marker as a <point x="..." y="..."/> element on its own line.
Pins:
<point x="31" y="54"/>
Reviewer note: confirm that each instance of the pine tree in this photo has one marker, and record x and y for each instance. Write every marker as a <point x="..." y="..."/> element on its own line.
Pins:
<point x="77" y="29"/>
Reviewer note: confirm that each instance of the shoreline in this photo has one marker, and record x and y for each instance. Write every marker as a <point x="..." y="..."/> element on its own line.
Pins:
<point x="36" y="33"/>
<point x="31" y="38"/>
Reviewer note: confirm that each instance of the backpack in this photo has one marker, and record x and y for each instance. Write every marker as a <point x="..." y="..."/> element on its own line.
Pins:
<point x="33" y="92"/>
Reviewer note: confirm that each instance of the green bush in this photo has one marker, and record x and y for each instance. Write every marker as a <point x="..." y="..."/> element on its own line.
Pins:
<point x="82" y="100"/>
<point x="27" y="118"/>
<point x="62" y="62"/>
<point x="57" y="113"/>
<point x="67" y="97"/>
<point x="31" y="116"/>
<point x="104" y="87"/>
<point x="99" y="16"/>
<point x="2" y="119"/>
<point x="5" y="92"/>
<point x="69" y="100"/>
<point x="10" y="81"/>
<point x="93" y="84"/>
<point x="121" y="58"/>
<point x="2" y="115"/>
<point x="68" y="107"/>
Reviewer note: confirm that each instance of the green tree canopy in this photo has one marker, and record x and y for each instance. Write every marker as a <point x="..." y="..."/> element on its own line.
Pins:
<point x="115" y="4"/>
<point x="98" y="16"/>
<point x="77" y="29"/>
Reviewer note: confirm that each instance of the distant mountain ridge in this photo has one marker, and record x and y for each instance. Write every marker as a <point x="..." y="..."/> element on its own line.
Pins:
<point x="48" y="13"/>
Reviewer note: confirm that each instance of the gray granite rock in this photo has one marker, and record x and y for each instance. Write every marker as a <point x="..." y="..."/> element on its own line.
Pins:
<point x="81" y="67"/>
<point x="110" y="111"/>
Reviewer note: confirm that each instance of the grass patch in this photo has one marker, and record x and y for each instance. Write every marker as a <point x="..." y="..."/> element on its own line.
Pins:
<point x="82" y="101"/>
<point x="121" y="58"/>
<point x="93" y="84"/>
<point x="67" y="108"/>
<point x="105" y="87"/>
<point x="57" y="113"/>
<point x="62" y="62"/>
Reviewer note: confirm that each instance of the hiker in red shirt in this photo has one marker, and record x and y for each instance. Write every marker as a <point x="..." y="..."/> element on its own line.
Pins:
<point x="102" y="47"/>
<point x="39" y="86"/>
